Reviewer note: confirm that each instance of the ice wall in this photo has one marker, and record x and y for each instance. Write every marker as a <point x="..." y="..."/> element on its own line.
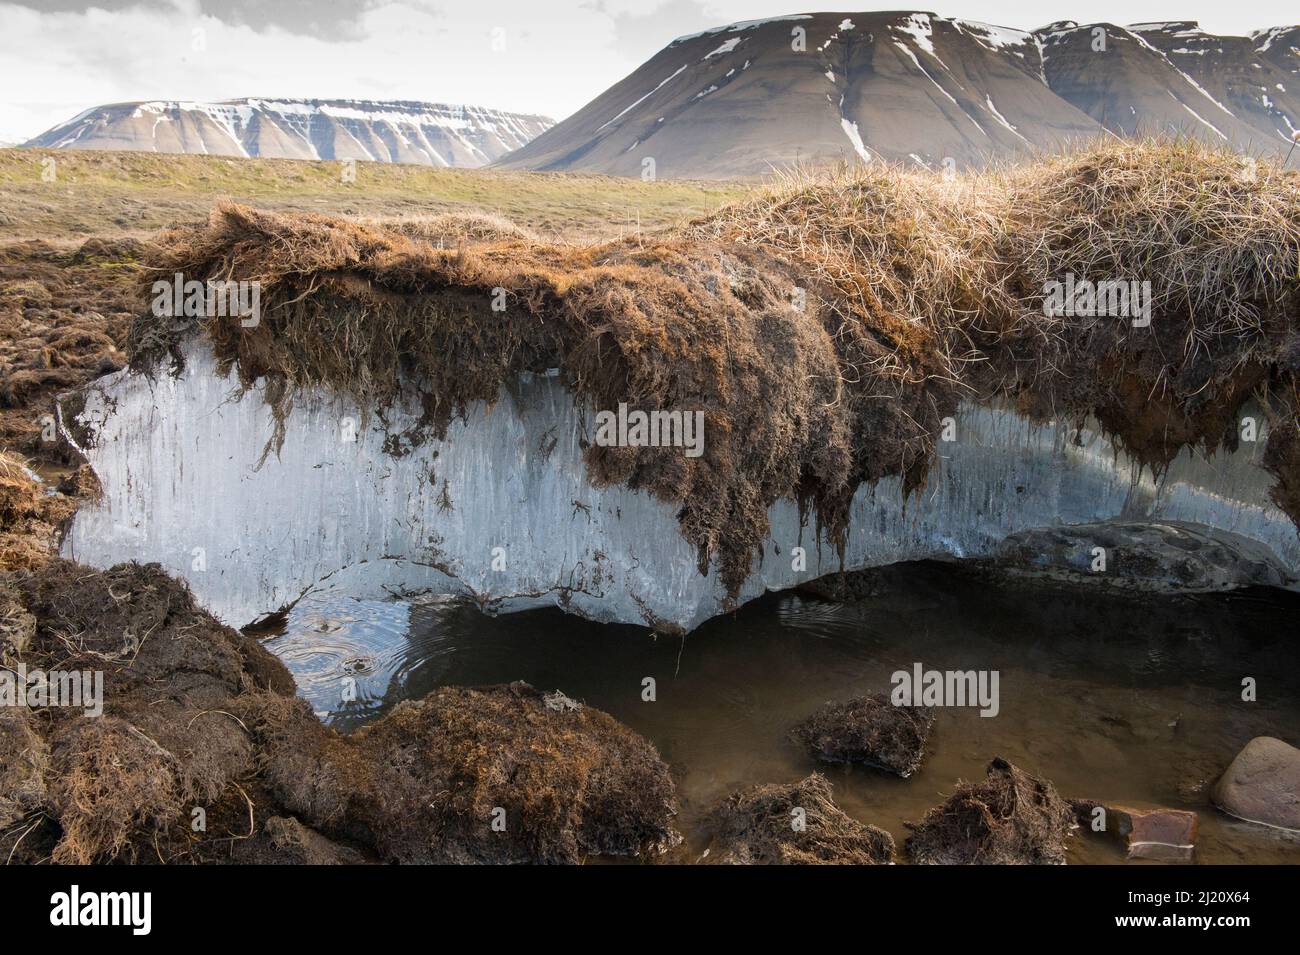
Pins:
<point x="502" y="509"/>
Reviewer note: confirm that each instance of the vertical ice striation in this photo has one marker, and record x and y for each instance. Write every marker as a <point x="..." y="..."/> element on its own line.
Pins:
<point x="502" y="510"/>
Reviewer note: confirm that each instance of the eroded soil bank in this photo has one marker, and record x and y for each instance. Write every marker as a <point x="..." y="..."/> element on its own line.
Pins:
<point x="196" y="750"/>
<point x="825" y="330"/>
<point x="205" y="753"/>
<point x="1130" y="700"/>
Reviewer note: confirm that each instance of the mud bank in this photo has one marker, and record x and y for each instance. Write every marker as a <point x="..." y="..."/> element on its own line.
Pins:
<point x="203" y="754"/>
<point x="503" y="509"/>
<point x="1135" y="700"/>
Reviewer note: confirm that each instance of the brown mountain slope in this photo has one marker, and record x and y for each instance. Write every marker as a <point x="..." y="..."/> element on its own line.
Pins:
<point x="745" y="98"/>
<point x="1143" y="82"/>
<point x="1256" y="77"/>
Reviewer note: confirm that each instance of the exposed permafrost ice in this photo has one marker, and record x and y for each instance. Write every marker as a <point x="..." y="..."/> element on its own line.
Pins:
<point x="502" y="510"/>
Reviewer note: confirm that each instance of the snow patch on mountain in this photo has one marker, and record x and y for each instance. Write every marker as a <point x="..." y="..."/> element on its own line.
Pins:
<point x="398" y="131"/>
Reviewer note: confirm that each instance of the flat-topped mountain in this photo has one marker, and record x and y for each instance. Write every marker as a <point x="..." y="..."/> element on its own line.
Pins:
<point x="431" y="134"/>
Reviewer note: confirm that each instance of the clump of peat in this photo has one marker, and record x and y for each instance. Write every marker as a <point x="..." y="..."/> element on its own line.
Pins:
<point x="486" y="774"/>
<point x="795" y="824"/>
<point x="123" y="785"/>
<point x="825" y="327"/>
<point x="1008" y="818"/>
<point x="870" y="731"/>
<point x="64" y="315"/>
<point x="30" y="518"/>
<point x="203" y="753"/>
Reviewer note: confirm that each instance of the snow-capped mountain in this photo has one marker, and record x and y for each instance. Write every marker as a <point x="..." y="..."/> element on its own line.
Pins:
<point x="1163" y="77"/>
<point x="915" y="87"/>
<point x="427" y="133"/>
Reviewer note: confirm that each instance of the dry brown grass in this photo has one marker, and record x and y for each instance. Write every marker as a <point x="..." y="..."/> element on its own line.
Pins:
<point x="64" y="314"/>
<point x="1007" y="818"/>
<point x="753" y="827"/>
<point x="31" y="518"/>
<point x="453" y="229"/>
<point x="920" y="291"/>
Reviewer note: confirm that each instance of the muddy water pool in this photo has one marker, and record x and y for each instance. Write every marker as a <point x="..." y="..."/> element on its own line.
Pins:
<point x="1134" y="701"/>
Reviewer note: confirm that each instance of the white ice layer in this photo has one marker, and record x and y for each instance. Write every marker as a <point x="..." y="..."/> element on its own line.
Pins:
<point x="502" y="510"/>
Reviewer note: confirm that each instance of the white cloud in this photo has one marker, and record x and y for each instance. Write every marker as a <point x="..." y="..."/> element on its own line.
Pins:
<point x="557" y="56"/>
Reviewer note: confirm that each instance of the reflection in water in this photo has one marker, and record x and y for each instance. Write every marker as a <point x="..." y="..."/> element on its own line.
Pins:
<point x="1132" y="701"/>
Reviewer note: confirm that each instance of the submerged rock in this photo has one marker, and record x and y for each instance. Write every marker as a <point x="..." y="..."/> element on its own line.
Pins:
<point x="490" y="774"/>
<point x="1262" y="784"/>
<point x="1008" y="818"/>
<point x="795" y="824"/>
<point x="870" y="731"/>
<point x="1164" y="557"/>
<point x="1164" y="835"/>
<point x="284" y="840"/>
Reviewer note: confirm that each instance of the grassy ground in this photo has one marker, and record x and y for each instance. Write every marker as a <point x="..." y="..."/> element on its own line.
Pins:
<point x="135" y="194"/>
<point x="65" y="304"/>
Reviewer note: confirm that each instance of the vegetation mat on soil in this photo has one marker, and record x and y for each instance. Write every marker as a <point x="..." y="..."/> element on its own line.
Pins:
<point x="203" y="753"/>
<point x="824" y="327"/>
<point x="795" y="824"/>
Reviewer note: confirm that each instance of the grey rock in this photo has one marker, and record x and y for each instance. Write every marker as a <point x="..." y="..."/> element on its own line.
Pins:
<point x="1159" y="557"/>
<point x="1262" y="784"/>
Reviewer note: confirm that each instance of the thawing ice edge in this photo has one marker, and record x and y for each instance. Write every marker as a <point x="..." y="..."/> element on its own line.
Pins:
<point x="178" y="459"/>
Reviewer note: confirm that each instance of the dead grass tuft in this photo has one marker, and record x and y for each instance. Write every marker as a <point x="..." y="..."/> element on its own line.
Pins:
<point x="1008" y="818"/>
<point x="756" y="827"/>
<point x="427" y="783"/>
<point x="450" y="230"/>
<point x="31" y="518"/>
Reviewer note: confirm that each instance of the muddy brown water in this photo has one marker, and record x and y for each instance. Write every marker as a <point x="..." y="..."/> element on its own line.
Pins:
<point x="1134" y="701"/>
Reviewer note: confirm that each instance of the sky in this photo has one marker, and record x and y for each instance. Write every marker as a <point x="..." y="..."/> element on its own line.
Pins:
<point x="59" y="57"/>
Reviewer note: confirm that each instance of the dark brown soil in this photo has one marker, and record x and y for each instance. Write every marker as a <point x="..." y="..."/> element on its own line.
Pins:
<point x="426" y="783"/>
<point x="284" y="840"/>
<point x="31" y="518"/>
<point x="758" y="826"/>
<point x="64" y="315"/>
<point x="199" y="721"/>
<point x="1008" y="818"/>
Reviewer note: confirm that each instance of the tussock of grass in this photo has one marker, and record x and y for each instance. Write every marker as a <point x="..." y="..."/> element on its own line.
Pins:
<point x="920" y="291"/>
<point x="1007" y="818"/>
<point x="422" y="784"/>
<point x="453" y="229"/>
<point x="753" y="827"/>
